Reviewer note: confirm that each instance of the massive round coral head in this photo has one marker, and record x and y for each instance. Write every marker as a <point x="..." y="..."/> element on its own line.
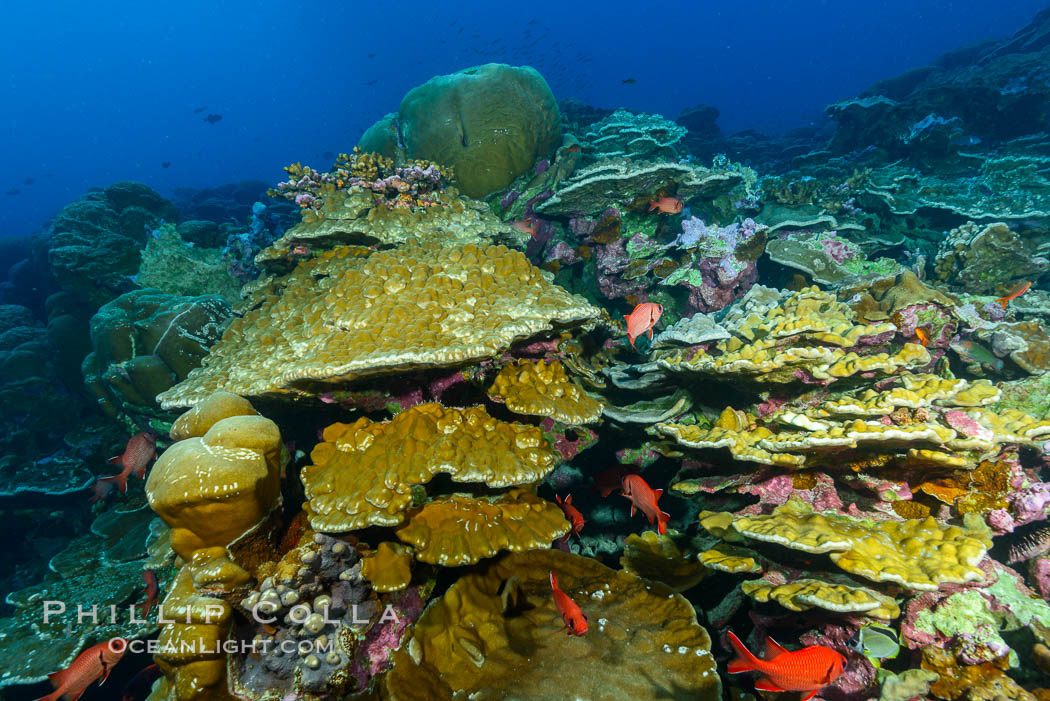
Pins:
<point x="490" y="122"/>
<point x="492" y="636"/>
<point x="363" y="473"/>
<point x="342" y="317"/>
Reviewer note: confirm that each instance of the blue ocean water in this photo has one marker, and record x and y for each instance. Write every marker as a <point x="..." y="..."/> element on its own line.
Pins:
<point x="95" y="93"/>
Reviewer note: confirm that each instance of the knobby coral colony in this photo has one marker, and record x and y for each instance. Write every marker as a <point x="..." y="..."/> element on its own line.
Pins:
<point x="398" y="471"/>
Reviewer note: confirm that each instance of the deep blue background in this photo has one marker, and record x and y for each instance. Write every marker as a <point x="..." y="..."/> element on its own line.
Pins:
<point x="95" y="92"/>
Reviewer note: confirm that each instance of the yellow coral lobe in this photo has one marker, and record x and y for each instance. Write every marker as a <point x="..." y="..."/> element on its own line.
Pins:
<point x="461" y="530"/>
<point x="363" y="473"/>
<point x="538" y="388"/>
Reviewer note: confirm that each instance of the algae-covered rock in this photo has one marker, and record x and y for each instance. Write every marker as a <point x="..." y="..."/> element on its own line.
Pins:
<point x="147" y="340"/>
<point x="95" y="243"/>
<point x="177" y="266"/>
<point x="490" y="122"/>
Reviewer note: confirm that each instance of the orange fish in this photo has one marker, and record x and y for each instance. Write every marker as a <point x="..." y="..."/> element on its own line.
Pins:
<point x="924" y="338"/>
<point x="642" y="319"/>
<point x="575" y="621"/>
<point x="666" y="205"/>
<point x="572" y="149"/>
<point x="150" y="577"/>
<point x="809" y="669"/>
<point x="572" y="514"/>
<point x="92" y="664"/>
<point x="1017" y="292"/>
<point x="140" y="450"/>
<point x="527" y="226"/>
<point x="645" y="499"/>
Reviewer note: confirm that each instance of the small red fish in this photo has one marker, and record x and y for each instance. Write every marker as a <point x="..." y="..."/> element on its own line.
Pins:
<point x="572" y="149"/>
<point x="140" y="450"/>
<point x="642" y="319"/>
<point x="571" y="613"/>
<point x="92" y="664"/>
<point x="1015" y="293"/>
<point x="666" y="205"/>
<point x="138" y="688"/>
<point x="924" y="338"/>
<point x="809" y="669"/>
<point x="572" y="514"/>
<point x="150" y="577"/>
<point x="645" y="499"/>
<point x="527" y="226"/>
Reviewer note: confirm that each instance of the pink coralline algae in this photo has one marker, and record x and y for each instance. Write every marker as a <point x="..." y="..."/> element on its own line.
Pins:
<point x="775" y="491"/>
<point x="568" y="442"/>
<point x="964" y="424"/>
<point x="562" y="252"/>
<point x="384" y="637"/>
<point x="1039" y="569"/>
<point x="717" y="275"/>
<point x="838" y="250"/>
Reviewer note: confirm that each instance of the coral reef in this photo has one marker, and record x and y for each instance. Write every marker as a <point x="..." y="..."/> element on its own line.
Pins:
<point x="474" y="639"/>
<point x="634" y="135"/>
<point x="363" y="473"/>
<point x="416" y="307"/>
<point x="146" y="341"/>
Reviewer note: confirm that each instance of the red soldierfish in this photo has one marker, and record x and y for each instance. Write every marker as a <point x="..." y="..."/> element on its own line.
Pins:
<point x="809" y="669"/>
<point x="666" y="205"/>
<point x="643" y="319"/>
<point x="92" y="664"/>
<point x="645" y="499"/>
<point x="575" y="621"/>
<point x="572" y="514"/>
<point x="150" y="577"/>
<point x="527" y="226"/>
<point x="140" y="450"/>
<point x="1015" y="293"/>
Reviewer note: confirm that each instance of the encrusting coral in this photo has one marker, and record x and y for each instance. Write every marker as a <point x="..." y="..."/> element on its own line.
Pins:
<point x="539" y="388"/>
<point x="341" y="317"/>
<point x="917" y="554"/>
<point x="363" y="474"/>
<point x="810" y="337"/>
<point x="494" y="630"/>
<point x="459" y="530"/>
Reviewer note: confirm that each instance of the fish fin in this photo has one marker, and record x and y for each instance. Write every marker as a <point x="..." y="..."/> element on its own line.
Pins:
<point x="744" y="660"/>
<point x="810" y="695"/>
<point x="632" y="508"/>
<point x="773" y="648"/>
<point x="764" y="684"/>
<point x="658" y="492"/>
<point x="554" y="580"/>
<point x="1003" y="302"/>
<point x="558" y="499"/>
<point x="115" y="460"/>
<point x="662" y="519"/>
<point x="650" y="334"/>
<point x="120" y="480"/>
<point x="568" y="500"/>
